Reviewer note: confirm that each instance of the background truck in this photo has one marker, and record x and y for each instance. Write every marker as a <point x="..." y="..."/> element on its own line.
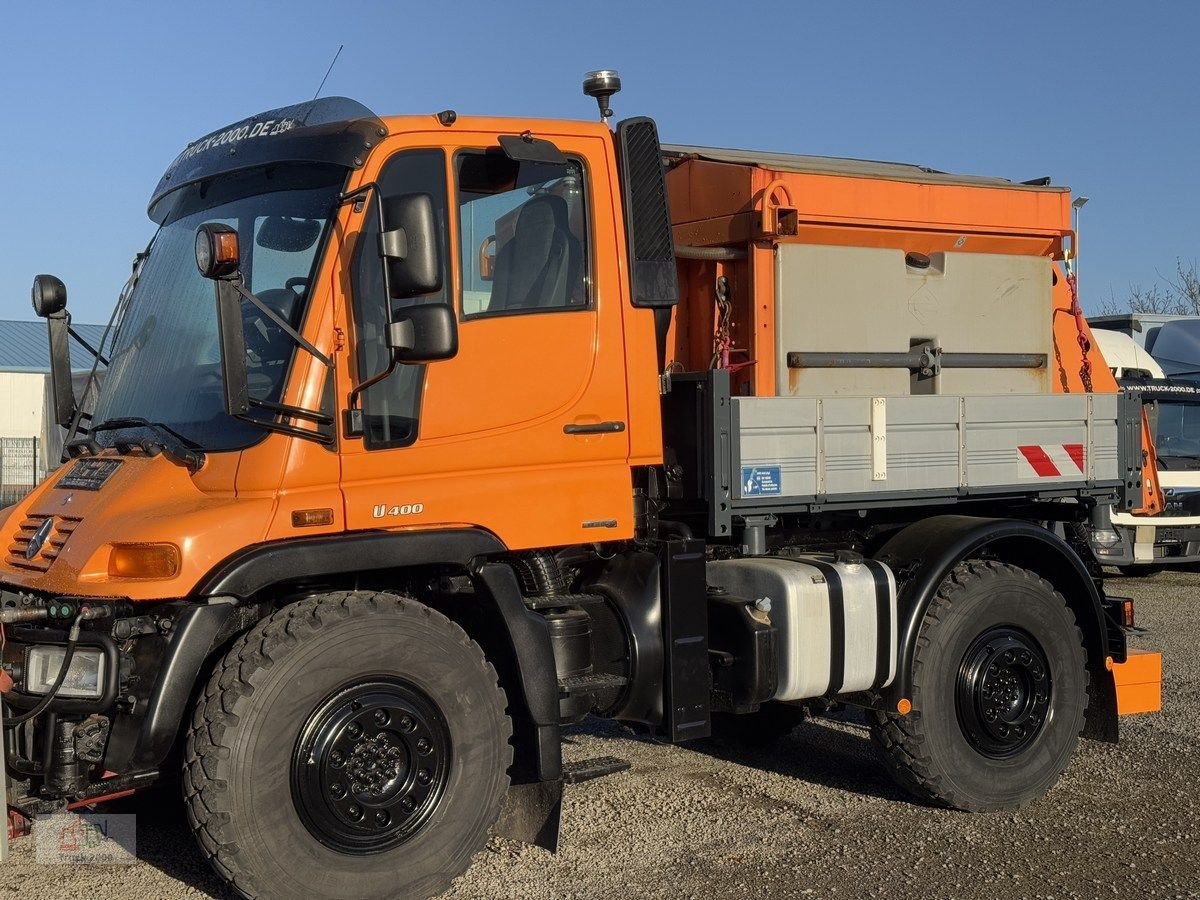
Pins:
<point x="1143" y="544"/>
<point x="483" y="434"/>
<point x="1173" y="341"/>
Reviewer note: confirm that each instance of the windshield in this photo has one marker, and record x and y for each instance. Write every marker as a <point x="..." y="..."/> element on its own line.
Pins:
<point x="1176" y="430"/>
<point x="165" y="364"/>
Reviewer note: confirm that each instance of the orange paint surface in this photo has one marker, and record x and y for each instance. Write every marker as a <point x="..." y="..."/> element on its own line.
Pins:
<point x="1139" y="683"/>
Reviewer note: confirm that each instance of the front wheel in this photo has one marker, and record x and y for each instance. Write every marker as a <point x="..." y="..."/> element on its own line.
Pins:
<point x="999" y="692"/>
<point x="352" y="745"/>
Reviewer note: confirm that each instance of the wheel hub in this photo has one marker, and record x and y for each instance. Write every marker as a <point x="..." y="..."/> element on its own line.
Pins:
<point x="1003" y="692"/>
<point x="371" y="766"/>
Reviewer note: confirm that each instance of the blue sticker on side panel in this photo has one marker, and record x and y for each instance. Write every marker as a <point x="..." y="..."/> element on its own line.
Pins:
<point x="761" y="481"/>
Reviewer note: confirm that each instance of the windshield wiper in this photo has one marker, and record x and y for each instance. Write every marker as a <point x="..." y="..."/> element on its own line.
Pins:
<point x="177" y="448"/>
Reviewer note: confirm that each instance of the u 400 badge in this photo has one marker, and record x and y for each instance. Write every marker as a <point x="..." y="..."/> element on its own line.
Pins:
<point x="383" y="511"/>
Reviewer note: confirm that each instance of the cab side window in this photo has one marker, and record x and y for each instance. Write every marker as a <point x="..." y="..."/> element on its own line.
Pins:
<point x="391" y="408"/>
<point x="523" y="235"/>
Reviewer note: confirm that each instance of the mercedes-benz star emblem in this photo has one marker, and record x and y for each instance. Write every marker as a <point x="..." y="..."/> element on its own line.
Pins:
<point x="39" y="538"/>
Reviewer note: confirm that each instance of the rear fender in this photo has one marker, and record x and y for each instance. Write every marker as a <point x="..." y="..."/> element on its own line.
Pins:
<point x="924" y="553"/>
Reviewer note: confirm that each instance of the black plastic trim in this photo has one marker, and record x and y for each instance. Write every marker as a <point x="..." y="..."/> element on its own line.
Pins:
<point x="245" y="573"/>
<point x="536" y="728"/>
<point x="193" y="639"/>
<point x="652" y="275"/>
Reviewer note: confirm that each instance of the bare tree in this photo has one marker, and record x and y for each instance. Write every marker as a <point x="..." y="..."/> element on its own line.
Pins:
<point x="1177" y="296"/>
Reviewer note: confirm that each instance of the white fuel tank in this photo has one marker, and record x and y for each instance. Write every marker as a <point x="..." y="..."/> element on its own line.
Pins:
<point x="836" y="621"/>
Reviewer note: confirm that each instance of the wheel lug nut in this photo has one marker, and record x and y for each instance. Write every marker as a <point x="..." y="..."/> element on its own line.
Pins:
<point x="355" y="813"/>
<point x="381" y="717"/>
<point x="424" y="776"/>
<point x="423" y="746"/>
<point x="337" y="791"/>
<point x="337" y="758"/>
<point x="408" y="804"/>
<point x="407" y="723"/>
<point x="354" y="730"/>
<point x="382" y="818"/>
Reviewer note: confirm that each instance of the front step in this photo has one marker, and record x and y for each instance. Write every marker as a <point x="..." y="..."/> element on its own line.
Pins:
<point x="591" y="769"/>
<point x="573" y="685"/>
<point x="562" y="601"/>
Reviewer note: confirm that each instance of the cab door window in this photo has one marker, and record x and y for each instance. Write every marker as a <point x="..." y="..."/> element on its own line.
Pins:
<point x="391" y="408"/>
<point x="523" y="235"/>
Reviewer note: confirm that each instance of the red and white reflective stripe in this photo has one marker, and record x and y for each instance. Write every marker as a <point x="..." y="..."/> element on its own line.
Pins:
<point x="1051" y="460"/>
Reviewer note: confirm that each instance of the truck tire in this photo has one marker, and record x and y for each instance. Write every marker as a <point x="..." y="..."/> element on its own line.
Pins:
<point x="352" y="745"/>
<point x="999" y="692"/>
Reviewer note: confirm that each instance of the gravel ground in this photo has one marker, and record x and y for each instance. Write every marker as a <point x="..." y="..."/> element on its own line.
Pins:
<point x="813" y="816"/>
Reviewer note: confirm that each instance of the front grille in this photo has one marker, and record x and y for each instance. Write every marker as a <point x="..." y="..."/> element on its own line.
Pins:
<point x="63" y="526"/>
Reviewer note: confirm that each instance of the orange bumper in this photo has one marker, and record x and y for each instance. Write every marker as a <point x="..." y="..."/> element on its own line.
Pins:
<point x="1139" y="682"/>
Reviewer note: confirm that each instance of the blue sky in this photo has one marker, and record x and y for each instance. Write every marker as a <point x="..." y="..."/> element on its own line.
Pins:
<point x="99" y="97"/>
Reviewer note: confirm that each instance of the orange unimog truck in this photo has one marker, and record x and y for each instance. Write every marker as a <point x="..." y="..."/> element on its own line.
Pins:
<point x="483" y="435"/>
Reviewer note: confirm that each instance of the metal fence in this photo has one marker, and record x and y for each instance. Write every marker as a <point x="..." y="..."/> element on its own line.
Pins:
<point x="20" y="468"/>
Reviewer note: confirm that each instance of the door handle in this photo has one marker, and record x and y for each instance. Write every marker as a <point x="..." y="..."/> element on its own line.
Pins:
<point x="597" y="428"/>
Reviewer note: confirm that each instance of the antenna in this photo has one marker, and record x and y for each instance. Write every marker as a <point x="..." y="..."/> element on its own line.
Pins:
<point x="327" y="71"/>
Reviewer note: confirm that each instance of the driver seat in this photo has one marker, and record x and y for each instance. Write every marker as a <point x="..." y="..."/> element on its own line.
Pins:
<point x="539" y="266"/>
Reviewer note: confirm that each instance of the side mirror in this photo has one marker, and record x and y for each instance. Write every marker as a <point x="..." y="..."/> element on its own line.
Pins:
<point x="408" y="245"/>
<point x="424" y="333"/>
<point x="50" y="303"/>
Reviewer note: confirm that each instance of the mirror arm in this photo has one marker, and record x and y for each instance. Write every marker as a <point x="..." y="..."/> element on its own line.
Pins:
<point x="282" y="428"/>
<point x="371" y="382"/>
<point x="86" y="346"/>
<point x="286" y="409"/>
<point x="360" y="195"/>
<point x="279" y="320"/>
<point x="66" y="407"/>
<point x="233" y="349"/>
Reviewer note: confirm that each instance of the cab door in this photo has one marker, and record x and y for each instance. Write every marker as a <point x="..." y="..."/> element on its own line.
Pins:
<point x="523" y="432"/>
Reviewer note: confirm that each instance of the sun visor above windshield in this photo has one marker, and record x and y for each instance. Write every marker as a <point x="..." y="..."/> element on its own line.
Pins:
<point x="332" y="130"/>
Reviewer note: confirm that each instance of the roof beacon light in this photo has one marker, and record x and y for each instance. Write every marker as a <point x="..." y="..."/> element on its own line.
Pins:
<point x="602" y="84"/>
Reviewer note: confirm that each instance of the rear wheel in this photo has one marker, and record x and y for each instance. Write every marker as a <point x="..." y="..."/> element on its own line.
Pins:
<point x="351" y="745"/>
<point x="999" y="692"/>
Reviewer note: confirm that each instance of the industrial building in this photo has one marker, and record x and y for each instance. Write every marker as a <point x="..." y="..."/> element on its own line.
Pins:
<point x="30" y="441"/>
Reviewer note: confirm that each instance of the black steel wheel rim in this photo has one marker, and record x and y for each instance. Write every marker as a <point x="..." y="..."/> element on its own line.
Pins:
<point x="1003" y="692"/>
<point x="371" y="766"/>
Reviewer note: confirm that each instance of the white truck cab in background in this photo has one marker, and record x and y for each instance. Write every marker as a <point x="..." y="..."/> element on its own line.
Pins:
<point x="1149" y="543"/>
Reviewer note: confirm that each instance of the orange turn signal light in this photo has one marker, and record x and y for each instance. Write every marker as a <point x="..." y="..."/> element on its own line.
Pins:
<point x="904" y="706"/>
<point x="143" y="561"/>
<point x="217" y="253"/>
<point x="307" y="518"/>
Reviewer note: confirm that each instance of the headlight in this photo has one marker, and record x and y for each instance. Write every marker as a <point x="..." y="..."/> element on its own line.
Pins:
<point x="84" y="679"/>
